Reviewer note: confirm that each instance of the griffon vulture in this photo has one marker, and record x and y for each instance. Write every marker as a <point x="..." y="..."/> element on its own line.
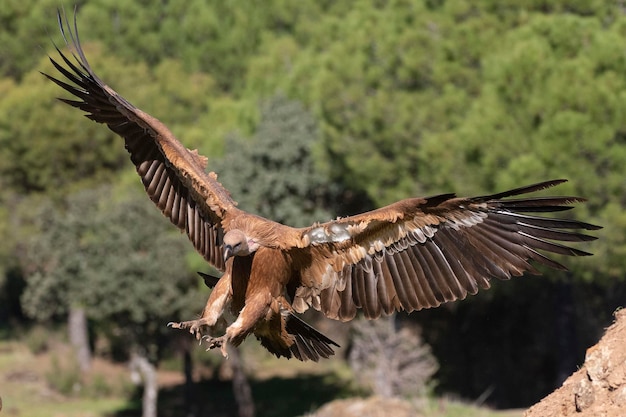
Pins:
<point x="413" y="254"/>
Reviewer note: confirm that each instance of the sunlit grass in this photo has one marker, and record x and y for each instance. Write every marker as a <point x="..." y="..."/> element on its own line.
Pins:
<point x="24" y="390"/>
<point x="16" y="406"/>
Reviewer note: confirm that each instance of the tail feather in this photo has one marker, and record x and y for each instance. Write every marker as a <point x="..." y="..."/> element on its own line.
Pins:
<point x="308" y="343"/>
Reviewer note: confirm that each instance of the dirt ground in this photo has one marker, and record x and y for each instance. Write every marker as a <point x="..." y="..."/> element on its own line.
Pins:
<point x="598" y="389"/>
<point x="369" y="407"/>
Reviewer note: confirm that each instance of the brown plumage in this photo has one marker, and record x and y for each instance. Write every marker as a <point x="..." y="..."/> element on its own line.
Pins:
<point x="416" y="253"/>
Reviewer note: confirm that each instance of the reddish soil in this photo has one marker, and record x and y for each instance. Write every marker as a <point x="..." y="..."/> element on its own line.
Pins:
<point x="598" y="389"/>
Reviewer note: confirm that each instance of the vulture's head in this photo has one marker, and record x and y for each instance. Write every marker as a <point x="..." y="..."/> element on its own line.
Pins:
<point x="236" y="243"/>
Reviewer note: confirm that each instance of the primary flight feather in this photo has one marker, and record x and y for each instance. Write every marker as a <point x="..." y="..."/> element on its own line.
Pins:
<point x="413" y="254"/>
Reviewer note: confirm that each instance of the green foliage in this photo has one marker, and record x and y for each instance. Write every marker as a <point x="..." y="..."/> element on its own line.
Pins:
<point x="23" y="32"/>
<point x="38" y="339"/>
<point x="46" y="148"/>
<point x="208" y="36"/>
<point x="410" y="96"/>
<point x="64" y="376"/>
<point x="99" y="385"/>
<point x="273" y="174"/>
<point x="371" y="75"/>
<point x="114" y="257"/>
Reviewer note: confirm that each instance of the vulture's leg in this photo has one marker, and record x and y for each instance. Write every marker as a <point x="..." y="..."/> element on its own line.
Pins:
<point x="256" y="309"/>
<point x="213" y="310"/>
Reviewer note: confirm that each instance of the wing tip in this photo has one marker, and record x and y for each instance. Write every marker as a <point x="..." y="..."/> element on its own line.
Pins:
<point x="522" y="190"/>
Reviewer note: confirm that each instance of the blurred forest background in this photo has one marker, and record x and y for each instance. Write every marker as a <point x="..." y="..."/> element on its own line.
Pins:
<point x="307" y="110"/>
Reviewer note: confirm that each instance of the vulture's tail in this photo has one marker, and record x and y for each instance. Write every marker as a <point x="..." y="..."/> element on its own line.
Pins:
<point x="309" y="344"/>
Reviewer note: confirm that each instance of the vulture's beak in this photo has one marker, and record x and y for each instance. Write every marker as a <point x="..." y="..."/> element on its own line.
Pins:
<point x="228" y="252"/>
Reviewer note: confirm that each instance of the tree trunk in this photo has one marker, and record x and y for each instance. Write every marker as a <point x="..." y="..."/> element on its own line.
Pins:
<point x="147" y="371"/>
<point x="241" y="387"/>
<point x="79" y="337"/>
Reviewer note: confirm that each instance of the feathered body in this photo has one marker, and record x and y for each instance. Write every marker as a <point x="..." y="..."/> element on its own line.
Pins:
<point x="416" y="253"/>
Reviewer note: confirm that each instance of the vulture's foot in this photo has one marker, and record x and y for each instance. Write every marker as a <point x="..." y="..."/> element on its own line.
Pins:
<point x="217" y="342"/>
<point x="194" y="326"/>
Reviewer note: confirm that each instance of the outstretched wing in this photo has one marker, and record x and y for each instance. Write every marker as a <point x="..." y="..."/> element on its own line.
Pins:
<point x="173" y="176"/>
<point x="422" y="252"/>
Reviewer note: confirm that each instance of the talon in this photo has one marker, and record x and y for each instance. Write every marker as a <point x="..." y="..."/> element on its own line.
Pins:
<point x="216" y="342"/>
<point x="194" y="326"/>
